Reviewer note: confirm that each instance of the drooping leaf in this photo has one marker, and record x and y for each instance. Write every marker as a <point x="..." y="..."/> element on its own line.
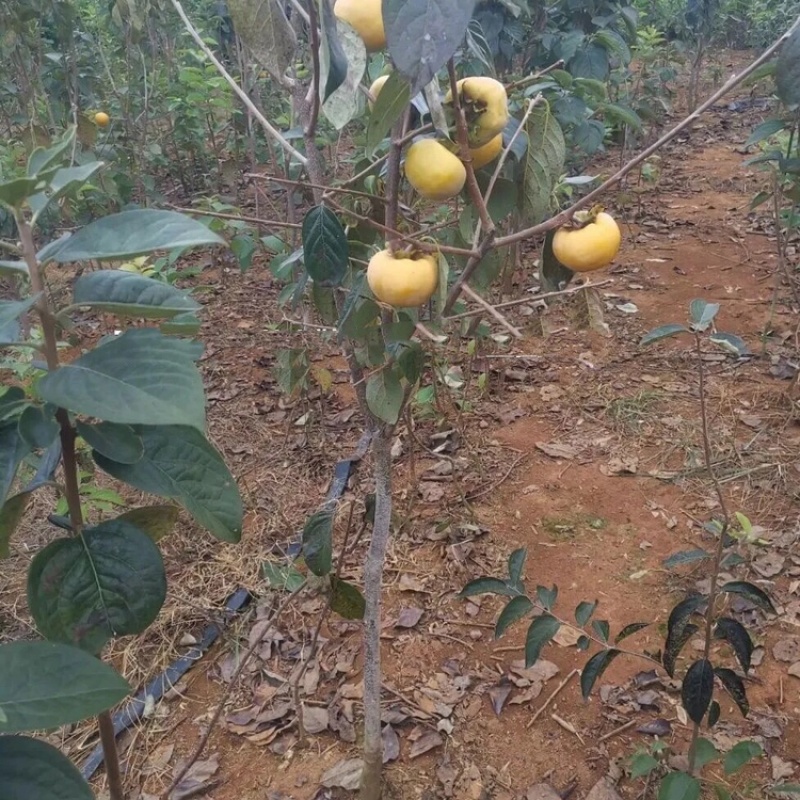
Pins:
<point x="346" y="600"/>
<point x="118" y="442"/>
<point x="32" y="768"/>
<point x="704" y="753"/>
<point x="544" y="163"/>
<point x="516" y="608"/>
<point x="13" y="269"/>
<point x="109" y="581"/>
<point x="553" y="275"/>
<point x="547" y="597"/>
<point x="11" y="513"/>
<point x="392" y="101"/>
<point x="698" y="689"/>
<point x="584" y="611"/>
<point x="674" y="644"/>
<point x="318" y="542"/>
<point x="180" y="463"/>
<point x="325" y="246"/>
<point x="38" y="426"/>
<point x="740" y="754"/>
<point x="42" y="158"/>
<point x="764" y="130"/>
<point x="520" y="144"/>
<point x="685" y="557"/>
<point x="540" y="632"/>
<point x="15" y="192"/>
<point x="594" y="668"/>
<point x="602" y="629"/>
<point x="679" y="786"/>
<point x="734" y="685"/>
<point x="139" y="377"/>
<point x="629" y="630"/>
<point x="736" y="635"/>
<point x="662" y="332"/>
<point x="787" y="71"/>
<point x="129" y="234"/>
<point x="385" y="395"/>
<point x="679" y="629"/>
<point x="347" y="102"/>
<point x="751" y="592"/>
<point x="642" y="764"/>
<point x="63" y="181"/>
<point x="332" y="58"/>
<point x="13" y="448"/>
<point x="12" y="310"/>
<point x="714" y="710"/>
<point x="422" y="34"/>
<point x="156" y="521"/>
<point x="516" y="563"/>
<point x="34" y="694"/>
<point x="702" y="314"/>
<point x="284" y="577"/>
<point x="487" y="586"/>
<point x="128" y="294"/>
<point x="263" y="27"/>
<point x="731" y="343"/>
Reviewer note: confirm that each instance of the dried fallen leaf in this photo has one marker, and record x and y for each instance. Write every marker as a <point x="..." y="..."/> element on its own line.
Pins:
<point x="346" y="774"/>
<point x="410" y="583"/>
<point x="794" y="670"/>
<point x="656" y="727"/>
<point x="621" y="466"/>
<point x="498" y="695"/>
<point x="542" y="791"/>
<point x="408" y="617"/>
<point x="197" y="778"/>
<point x="787" y="649"/>
<point x="567" y="636"/>
<point x="391" y="744"/>
<point x="427" y="742"/>
<point x="315" y="719"/>
<point x="769" y="564"/>
<point x="781" y="769"/>
<point x="557" y="450"/>
<point x="604" y="789"/>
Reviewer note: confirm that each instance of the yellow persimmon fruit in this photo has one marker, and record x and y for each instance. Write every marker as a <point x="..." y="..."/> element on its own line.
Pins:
<point x="101" y="119"/>
<point x="375" y="89"/>
<point x="366" y="17"/>
<point x="403" y="280"/>
<point x="481" y="156"/>
<point x="485" y="104"/>
<point x="433" y="170"/>
<point x="589" y="248"/>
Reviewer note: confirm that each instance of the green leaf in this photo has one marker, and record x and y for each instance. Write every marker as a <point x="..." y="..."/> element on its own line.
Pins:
<point x="602" y="629"/>
<point x="385" y="395"/>
<point x="488" y="586"/>
<point x="12" y="310"/>
<point x="702" y="314"/>
<point x="243" y="248"/>
<point x="584" y="611"/>
<point x="516" y="563"/>
<point x="325" y="247"/>
<point x="547" y="597"/>
<point x="347" y="102"/>
<point x="739" y="755"/>
<point x="392" y="101"/>
<point x="107" y="582"/>
<point x="333" y="61"/>
<point x="11" y="514"/>
<point x="764" y="130"/>
<point x="263" y="27"/>
<point x="685" y="557"/>
<point x="679" y="630"/>
<point x="662" y="332"/>
<point x="679" y="786"/>
<point x="318" y="542"/>
<point x="12" y="402"/>
<point x="284" y="577"/>
<point x="156" y="521"/>
<point x="14" y="193"/>
<point x="714" y="710"/>
<point x="34" y="694"/>
<point x="629" y="630"/>
<point x="346" y="600"/>
<point x="13" y="269"/>
<point x="63" y="181"/>
<point x="704" y="753"/>
<point x="755" y="595"/>
<point x="594" y="668"/>
<point x="45" y="158"/>
<point x="181" y="324"/>
<point x="30" y="768"/>
<point x="544" y="164"/>
<point x="642" y="764"/>
<point x="787" y="71"/>
<point x="13" y="448"/>
<point x="785" y="788"/>
<point x="540" y="632"/>
<point x="179" y="463"/>
<point x="141" y="376"/>
<point x="553" y="275"/>
<point x="118" y="442"/>
<point x="736" y="635"/>
<point x="621" y="114"/>
<point x="730" y="342"/>
<point x="129" y="234"/>
<point x="697" y="689"/>
<point x="38" y="426"/>
<point x="520" y="144"/>
<point x="422" y="34"/>
<point x="516" y="608"/>
<point x="130" y="295"/>
<point x="734" y="685"/>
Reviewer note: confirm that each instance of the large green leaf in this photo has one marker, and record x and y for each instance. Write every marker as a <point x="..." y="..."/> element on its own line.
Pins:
<point x="422" y="34"/>
<point x="11" y="310"/>
<point x="544" y="163"/>
<point x="787" y="73"/>
<point x="325" y="249"/>
<point x="540" y="632"/>
<point x="262" y="26"/>
<point x="42" y="158"/>
<point x="30" y="769"/>
<point x="38" y="426"/>
<point x="15" y="192"/>
<point x="594" y="668"/>
<point x="35" y="695"/>
<point x="107" y="582"/>
<point x="679" y="786"/>
<point x="347" y="102"/>
<point x="131" y="295"/>
<point x="131" y="233"/>
<point x="392" y="101"/>
<point x="318" y="542"/>
<point x="332" y="58"/>
<point x="697" y="689"/>
<point x="141" y="376"/>
<point x="179" y="463"/>
<point x="63" y="181"/>
<point x="118" y="442"/>
<point x="385" y="395"/>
